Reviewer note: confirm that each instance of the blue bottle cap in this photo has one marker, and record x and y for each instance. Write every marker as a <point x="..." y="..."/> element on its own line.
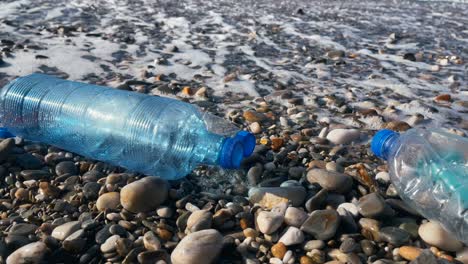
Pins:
<point x="235" y="148"/>
<point x="4" y="133"/>
<point x="379" y="144"/>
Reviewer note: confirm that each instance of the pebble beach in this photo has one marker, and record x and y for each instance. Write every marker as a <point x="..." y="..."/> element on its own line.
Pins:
<point x="313" y="80"/>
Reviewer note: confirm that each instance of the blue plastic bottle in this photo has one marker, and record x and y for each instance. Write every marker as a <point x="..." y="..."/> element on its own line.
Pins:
<point x="429" y="169"/>
<point x="149" y="134"/>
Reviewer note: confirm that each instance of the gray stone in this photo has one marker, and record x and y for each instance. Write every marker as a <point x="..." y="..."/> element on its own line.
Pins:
<point x="91" y="190"/>
<point x="199" y="220"/>
<point x="292" y="236"/>
<point x="110" y="244"/>
<point x="6" y="146"/>
<point x="66" y="167"/>
<point x="295" y="216"/>
<point x="151" y="241"/>
<point x="22" y="229"/>
<point x="394" y="235"/>
<point x="330" y="180"/>
<point x="373" y="205"/>
<point x="269" y="222"/>
<point x="322" y="224"/>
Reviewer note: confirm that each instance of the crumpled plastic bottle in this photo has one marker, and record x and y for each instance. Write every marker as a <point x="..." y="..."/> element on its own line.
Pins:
<point x="429" y="169"/>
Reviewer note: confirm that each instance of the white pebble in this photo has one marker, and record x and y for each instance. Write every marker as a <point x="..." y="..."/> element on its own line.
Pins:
<point x="343" y="136"/>
<point x="287" y="257"/>
<point x="383" y="176"/>
<point x="276" y="261"/>
<point x="433" y="234"/>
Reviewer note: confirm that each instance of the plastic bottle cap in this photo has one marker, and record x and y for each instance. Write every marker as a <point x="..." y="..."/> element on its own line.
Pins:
<point x="379" y="140"/>
<point x="235" y="149"/>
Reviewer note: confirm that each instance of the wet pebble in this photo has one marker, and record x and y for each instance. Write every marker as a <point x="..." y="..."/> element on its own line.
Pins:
<point x="91" y="190"/>
<point x="373" y="205"/>
<point x="110" y="244"/>
<point x="151" y="241"/>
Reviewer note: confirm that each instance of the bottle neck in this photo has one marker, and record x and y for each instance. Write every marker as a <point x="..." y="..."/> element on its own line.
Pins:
<point x="208" y="148"/>
<point x="389" y="144"/>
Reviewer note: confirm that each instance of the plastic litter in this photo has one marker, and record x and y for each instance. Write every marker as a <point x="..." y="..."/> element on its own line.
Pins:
<point x="429" y="169"/>
<point x="149" y="134"/>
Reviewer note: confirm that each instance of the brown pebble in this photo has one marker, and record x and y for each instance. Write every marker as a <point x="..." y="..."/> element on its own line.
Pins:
<point x="244" y="223"/>
<point x="306" y="260"/>
<point x="21" y="194"/>
<point x="409" y="253"/>
<point x="250" y="232"/>
<point x="278" y="250"/>
<point x="186" y="90"/>
<point x="276" y="143"/>
<point x="164" y="234"/>
<point x="252" y="116"/>
<point x="397" y="125"/>
<point x="48" y="189"/>
<point x="443" y="97"/>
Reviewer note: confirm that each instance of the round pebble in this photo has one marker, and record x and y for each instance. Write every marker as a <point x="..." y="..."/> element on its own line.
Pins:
<point x="144" y="195"/>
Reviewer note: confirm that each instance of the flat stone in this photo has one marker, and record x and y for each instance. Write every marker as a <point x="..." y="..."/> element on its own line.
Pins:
<point x="322" y="224"/>
<point x="269" y="197"/>
<point x="75" y="242"/>
<point x="144" y="195"/>
<point x="63" y="231"/>
<point x="32" y="253"/>
<point x="66" y="167"/>
<point x="316" y="201"/>
<point x="199" y="220"/>
<point x="330" y="180"/>
<point x="202" y="247"/>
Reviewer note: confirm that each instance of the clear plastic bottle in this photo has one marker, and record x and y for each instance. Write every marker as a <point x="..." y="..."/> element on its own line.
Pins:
<point x="149" y="134"/>
<point x="429" y="169"/>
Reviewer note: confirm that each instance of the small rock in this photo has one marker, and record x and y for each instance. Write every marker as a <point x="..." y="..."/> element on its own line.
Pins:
<point x="278" y="250"/>
<point x="6" y="146"/>
<point x="373" y="205"/>
<point x="409" y="253"/>
<point x="348" y="245"/>
<point x="330" y="180"/>
<point x="350" y="207"/>
<point x="63" y="231"/>
<point x="270" y="197"/>
<point x="383" y="176"/>
<point x="370" y="228"/>
<point x="199" y="220"/>
<point x="434" y="234"/>
<point x="252" y="116"/>
<point x="426" y="257"/>
<point x="91" y="190"/>
<point x="202" y="247"/>
<point x="254" y="174"/>
<point x="66" y="167"/>
<point x="110" y="244"/>
<point x="394" y="235"/>
<point x="110" y="200"/>
<point x="164" y="212"/>
<point x="156" y="257"/>
<point x="343" y="136"/>
<point x="255" y="128"/>
<point x="322" y="224"/>
<point x="250" y="232"/>
<point x="144" y="195"/>
<point x="314" y="244"/>
<point x="295" y="216"/>
<point x="31" y="253"/>
<point x="292" y="236"/>
<point x="269" y="222"/>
